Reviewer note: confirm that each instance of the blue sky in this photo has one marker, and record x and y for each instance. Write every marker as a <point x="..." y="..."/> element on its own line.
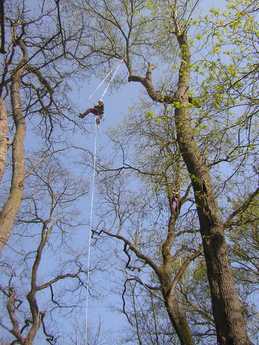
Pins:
<point x="117" y="103"/>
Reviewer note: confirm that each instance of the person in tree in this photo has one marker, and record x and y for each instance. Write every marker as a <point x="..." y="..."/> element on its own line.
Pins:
<point x="97" y="110"/>
<point x="175" y="203"/>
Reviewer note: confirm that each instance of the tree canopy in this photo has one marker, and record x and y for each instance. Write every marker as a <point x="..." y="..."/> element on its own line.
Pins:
<point x="176" y="188"/>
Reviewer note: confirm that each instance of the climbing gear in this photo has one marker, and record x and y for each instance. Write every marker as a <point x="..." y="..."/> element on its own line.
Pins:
<point x="112" y="75"/>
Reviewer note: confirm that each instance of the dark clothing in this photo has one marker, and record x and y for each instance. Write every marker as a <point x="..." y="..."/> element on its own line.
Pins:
<point x="90" y="111"/>
<point x="97" y="110"/>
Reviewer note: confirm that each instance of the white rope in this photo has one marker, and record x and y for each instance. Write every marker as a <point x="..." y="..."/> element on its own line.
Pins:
<point x="90" y="234"/>
<point x="106" y="77"/>
<point x="110" y="81"/>
<point x="100" y="84"/>
<point x="113" y="74"/>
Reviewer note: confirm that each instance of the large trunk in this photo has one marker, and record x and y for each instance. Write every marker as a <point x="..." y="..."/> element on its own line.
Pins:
<point x="12" y="204"/>
<point x="173" y="306"/>
<point x="177" y="318"/>
<point x="3" y="137"/>
<point x="227" y="309"/>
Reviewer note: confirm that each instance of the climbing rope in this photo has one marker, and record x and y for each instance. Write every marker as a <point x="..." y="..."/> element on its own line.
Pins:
<point x="111" y="80"/>
<point x="90" y="234"/>
<point x="100" y="84"/>
<point x="112" y="73"/>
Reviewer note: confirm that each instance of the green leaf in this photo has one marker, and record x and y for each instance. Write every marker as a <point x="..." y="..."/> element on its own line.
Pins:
<point x="216" y="49"/>
<point x="232" y="70"/>
<point x="149" y="115"/>
<point x="215" y="11"/>
<point x="177" y="104"/>
<point x="198" y="37"/>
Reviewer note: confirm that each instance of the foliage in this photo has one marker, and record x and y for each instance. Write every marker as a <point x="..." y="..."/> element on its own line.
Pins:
<point x="190" y="137"/>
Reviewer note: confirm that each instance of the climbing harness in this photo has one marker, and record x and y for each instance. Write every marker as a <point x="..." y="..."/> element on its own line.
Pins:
<point x="112" y="75"/>
<point x="98" y="109"/>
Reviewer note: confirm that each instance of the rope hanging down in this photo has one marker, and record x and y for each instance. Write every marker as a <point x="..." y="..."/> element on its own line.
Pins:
<point x="90" y="235"/>
<point x="112" y="73"/>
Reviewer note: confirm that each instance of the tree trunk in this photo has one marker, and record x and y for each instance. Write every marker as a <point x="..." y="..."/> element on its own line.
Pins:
<point x="227" y="309"/>
<point x="176" y="314"/>
<point x="3" y="137"/>
<point x="12" y="204"/>
<point x="177" y="317"/>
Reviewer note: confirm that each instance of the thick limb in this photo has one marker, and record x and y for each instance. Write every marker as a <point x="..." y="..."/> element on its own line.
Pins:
<point x="2" y="27"/>
<point x="227" y="309"/>
<point x="3" y="137"/>
<point x="13" y="202"/>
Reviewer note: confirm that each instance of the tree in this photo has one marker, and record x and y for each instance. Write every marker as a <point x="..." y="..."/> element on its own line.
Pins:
<point x="189" y="151"/>
<point x="122" y="30"/>
<point x="159" y="169"/>
<point x="42" y="269"/>
<point x="150" y="324"/>
<point x="2" y="27"/>
<point x="31" y="89"/>
<point x="3" y="138"/>
<point x="33" y="295"/>
<point x="12" y="204"/>
<point x="160" y="242"/>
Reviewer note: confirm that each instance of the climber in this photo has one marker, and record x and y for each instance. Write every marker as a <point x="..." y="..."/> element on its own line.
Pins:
<point x="175" y="203"/>
<point x="97" y="110"/>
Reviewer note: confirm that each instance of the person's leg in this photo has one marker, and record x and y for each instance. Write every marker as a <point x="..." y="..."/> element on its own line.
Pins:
<point x="88" y="111"/>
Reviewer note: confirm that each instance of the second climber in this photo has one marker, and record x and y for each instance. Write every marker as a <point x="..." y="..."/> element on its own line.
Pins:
<point x="97" y="110"/>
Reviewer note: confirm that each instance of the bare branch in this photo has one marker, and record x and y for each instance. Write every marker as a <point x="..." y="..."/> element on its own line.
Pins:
<point x="242" y="208"/>
<point x="136" y="251"/>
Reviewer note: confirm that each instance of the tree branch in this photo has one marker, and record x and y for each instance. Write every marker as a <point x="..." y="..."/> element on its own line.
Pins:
<point x="148" y="85"/>
<point x="56" y="279"/>
<point x="3" y="137"/>
<point x="11" y="312"/>
<point x="13" y="202"/>
<point x="183" y="268"/>
<point x="242" y="208"/>
<point x="137" y="252"/>
<point x="2" y="27"/>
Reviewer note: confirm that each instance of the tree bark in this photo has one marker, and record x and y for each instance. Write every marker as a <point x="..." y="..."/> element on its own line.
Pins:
<point x="167" y="283"/>
<point x="227" y="309"/>
<point x="2" y="27"/>
<point x="176" y="314"/>
<point x="3" y="137"/>
<point x="174" y="310"/>
<point x="13" y="202"/>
